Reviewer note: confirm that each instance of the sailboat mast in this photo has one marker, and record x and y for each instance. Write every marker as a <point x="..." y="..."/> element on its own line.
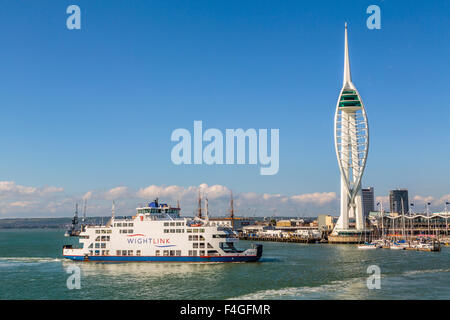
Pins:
<point x="199" y="205"/>
<point x="232" y="210"/>
<point x="84" y="211"/>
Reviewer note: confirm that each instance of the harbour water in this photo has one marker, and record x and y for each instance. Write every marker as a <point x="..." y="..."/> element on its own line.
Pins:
<point x="31" y="267"/>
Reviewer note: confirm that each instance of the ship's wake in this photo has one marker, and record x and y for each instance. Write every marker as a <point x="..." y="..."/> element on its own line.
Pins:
<point x="22" y="261"/>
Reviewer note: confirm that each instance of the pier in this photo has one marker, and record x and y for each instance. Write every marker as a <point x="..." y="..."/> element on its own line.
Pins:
<point x="283" y="239"/>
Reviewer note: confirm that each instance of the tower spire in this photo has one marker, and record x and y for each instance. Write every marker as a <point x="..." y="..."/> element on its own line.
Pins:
<point x="347" y="73"/>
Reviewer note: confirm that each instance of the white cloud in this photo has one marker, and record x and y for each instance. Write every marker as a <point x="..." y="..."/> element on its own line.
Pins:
<point x="10" y="189"/>
<point x="315" y="198"/>
<point x="116" y="193"/>
<point x="423" y="199"/>
<point x="28" y="201"/>
<point x="87" y="195"/>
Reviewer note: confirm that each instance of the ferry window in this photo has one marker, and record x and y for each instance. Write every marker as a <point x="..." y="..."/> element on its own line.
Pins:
<point x="107" y="238"/>
<point x="138" y="252"/>
<point x="103" y="238"/>
<point x="188" y="230"/>
<point x="90" y="252"/>
<point x="124" y="252"/>
<point x="91" y="245"/>
<point x="97" y="231"/>
<point x="130" y="231"/>
<point x="202" y="252"/>
<point x="106" y="252"/>
<point x="103" y="231"/>
<point x="190" y="237"/>
<point x="212" y="252"/>
<point x="195" y="238"/>
<point x="97" y="252"/>
<point x="130" y="224"/>
<point x="178" y="230"/>
<point x="157" y="253"/>
<point x="178" y="253"/>
<point x="202" y="245"/>
<point x="166" y="230"/>
<point x="195" y="230"/>
<point x="202" y="230"/>
<point x="194" y="253"/>
<point x="195" y="245"/>
<point x="165" y="253"/>
<point x="97" y="239"/>
<point x="166" y="224"/>
<point x="210" y="246"/>
<point x="130" y="252"/>
<point x="108" y="231"/>
<point x="172" y="253"/>
<point x="172" y="224"/>
<point x="172" y="230"/>
<point x="103" y="245"/>
<point x="190" y="253"/>
<point x="119" y="224"/>
<point x="178" y="224"/>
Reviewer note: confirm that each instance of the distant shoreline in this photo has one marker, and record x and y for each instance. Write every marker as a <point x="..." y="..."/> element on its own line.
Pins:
<point x="43" y="223"/>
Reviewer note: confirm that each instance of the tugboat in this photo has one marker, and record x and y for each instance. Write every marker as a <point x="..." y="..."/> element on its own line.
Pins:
<point x="157" y="233"/>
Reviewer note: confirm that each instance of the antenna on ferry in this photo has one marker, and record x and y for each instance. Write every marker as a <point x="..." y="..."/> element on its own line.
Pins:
<point x="232" y="210"/>
<point x="113" y="209"/>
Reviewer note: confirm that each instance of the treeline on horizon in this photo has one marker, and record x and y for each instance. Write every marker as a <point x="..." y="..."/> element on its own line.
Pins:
<point x="44" y="223"/>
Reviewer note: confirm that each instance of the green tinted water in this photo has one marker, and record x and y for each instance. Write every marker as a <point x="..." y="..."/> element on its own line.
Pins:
<point x="31" y="267"/>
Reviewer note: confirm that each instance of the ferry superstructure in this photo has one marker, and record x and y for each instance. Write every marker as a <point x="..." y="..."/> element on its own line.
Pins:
<point x="157" y="233"/>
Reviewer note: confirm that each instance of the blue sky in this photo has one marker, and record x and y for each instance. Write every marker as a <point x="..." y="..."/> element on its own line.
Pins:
<point x="93" y="109"/>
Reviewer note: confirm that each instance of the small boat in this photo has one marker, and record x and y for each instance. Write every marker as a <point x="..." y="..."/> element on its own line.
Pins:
<point x="367" y="246"/>
<point x="396" y="247"/>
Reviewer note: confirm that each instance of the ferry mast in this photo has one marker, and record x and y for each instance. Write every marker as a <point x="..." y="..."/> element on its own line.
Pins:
<point x="351" y="137"/>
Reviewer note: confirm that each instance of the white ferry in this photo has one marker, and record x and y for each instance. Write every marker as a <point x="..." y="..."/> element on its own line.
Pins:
<point x="157" y="233"/>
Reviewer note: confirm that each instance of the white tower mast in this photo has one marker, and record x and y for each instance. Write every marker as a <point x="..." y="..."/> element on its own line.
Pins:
<point x="351" y="138"/>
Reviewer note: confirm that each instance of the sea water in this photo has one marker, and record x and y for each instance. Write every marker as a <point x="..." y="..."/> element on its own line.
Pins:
<point x="32" y="267"/>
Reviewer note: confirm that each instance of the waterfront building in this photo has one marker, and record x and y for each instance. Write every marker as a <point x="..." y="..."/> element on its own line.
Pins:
<point x="368" y="200"/>
<point x="398" y="201"/>
<point x="325" y="222"/>
<point x="237" y="223"/>
<point x="436" y="225"/>
<point x="351" y="137"/>
<point x="290" y="223"/>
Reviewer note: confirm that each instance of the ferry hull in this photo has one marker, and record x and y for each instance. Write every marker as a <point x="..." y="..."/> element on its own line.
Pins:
<point x="164" y="259"/>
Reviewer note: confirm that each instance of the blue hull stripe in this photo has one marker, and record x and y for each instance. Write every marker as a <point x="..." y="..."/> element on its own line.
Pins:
<point x="165" y="259"/>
